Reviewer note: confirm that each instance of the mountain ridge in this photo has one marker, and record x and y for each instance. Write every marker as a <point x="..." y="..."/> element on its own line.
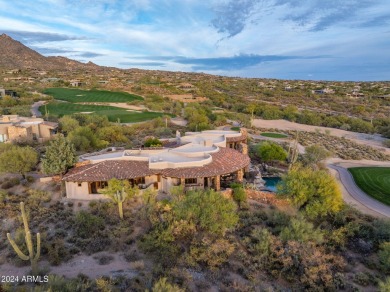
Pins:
<point x="16" y="55"/>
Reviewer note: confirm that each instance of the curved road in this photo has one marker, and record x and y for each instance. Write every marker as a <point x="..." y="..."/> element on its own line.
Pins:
<point x="35" y="108"/>
<point x="356" y="193"/>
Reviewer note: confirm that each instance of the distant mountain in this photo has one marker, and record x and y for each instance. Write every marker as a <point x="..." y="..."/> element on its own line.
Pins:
<point x="15" y="55"/>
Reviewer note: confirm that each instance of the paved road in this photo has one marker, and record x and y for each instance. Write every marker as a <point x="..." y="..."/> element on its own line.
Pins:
<point x="356" y="193"/>
<point x="35" y="108"/>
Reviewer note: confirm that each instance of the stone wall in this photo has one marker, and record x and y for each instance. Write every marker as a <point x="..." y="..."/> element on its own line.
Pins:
<point x="19" y="133"/>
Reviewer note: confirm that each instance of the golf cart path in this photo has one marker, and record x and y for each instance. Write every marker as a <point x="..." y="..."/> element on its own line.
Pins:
<point x="352" y="194"/>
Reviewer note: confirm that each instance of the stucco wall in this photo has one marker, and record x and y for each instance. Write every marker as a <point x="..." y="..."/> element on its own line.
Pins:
<point x="73" y="191"/>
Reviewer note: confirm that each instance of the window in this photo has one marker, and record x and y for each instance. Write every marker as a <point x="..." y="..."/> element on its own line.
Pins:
<point x="189" y="181"/>
<point x="79" y="184"/>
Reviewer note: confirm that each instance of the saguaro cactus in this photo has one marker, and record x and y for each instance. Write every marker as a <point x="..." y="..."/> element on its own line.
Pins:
<point x="119" y="191"/>
<point x="119" y="198"/>
<point x="32" y="256"/>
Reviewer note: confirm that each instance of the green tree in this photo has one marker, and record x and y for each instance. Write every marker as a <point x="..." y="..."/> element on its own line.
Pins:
<point x="60" y="155"/>
<point x="270" y="151"/>
<point x="16" y="159"/>
<point x="315" y="192"/>
<point x="314" y="154"/>
<point x="197" y="118"/>
<point x="85" y="139"/>
<point x="119" y="191"/>
<point x="68" y="124"/>
<point x="112" y="134"/>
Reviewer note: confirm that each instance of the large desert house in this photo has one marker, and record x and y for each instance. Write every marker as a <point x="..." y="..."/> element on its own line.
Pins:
<point x="198" y="160"/>
<point x="16" y="128"/>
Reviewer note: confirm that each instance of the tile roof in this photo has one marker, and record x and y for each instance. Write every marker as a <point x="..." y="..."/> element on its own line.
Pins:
<point x="224" y="161"/>
<point x="106" y="170"/>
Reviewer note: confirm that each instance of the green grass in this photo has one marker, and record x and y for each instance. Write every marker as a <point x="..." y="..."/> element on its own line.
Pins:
<point x="79" y="95"/>
<point x="374" y="181"/>
<point x="274" y="135"/>
<point x="74" y="96"/>
<point x="59" y="109"/>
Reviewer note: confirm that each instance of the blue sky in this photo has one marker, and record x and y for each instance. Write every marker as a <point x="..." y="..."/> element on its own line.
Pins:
<point x="287" y="39"/>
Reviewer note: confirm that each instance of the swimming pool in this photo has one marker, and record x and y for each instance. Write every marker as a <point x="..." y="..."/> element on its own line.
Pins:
<point x="271" y="182"/>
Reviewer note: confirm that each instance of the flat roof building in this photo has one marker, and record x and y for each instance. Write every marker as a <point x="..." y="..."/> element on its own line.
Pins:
<point x="16" y="128"/>
<point x="208" y="159"/>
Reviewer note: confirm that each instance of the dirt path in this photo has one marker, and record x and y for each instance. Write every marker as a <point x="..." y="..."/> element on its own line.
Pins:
<point x="360" y="138"/>
<point x="86" y="265"/>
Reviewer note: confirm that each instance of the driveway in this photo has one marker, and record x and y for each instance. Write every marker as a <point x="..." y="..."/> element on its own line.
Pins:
<point x="354" y="196"/>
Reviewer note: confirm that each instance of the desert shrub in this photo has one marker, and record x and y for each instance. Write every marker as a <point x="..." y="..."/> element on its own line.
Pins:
<point x="277" y="221"/>
<point x="99" y="242"/>
<point x="104" y="259"/>
<point x="384" y="256"/>
<point x="212" y="253"/>
<point x="87" y="225"/>
<point x="310" y="265"/>
<point x="362" y="279"/>
<point x="3" y="197"/>
<point x="10" y="183"/>
<point x="30" y="179"/>
<point x="162" y="285"/>
<point x="260" y="243"/>
<point x="160" y="242"/>
<point x="385" y="286"/>
<point x="36" y="197"/>
<point x="57" y="252"/>
<point x="381" y="231"/>
<point x="239" y="194"/>
<point x="302" y="231"/>
<point x="152" y="142"/>
<point x="131" y="256"/>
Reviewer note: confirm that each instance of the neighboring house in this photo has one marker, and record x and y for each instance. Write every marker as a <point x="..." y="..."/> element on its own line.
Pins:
<point x="76" y="83"/>
<point x="323" y="91"/>
<point x="186" y="86"/>
<point x="14" y="128"/>
<point x="4" y="92"/>
<point x="199" y="160"/>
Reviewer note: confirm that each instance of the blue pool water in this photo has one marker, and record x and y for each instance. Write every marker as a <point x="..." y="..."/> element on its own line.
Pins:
<point x="271" y="182"/>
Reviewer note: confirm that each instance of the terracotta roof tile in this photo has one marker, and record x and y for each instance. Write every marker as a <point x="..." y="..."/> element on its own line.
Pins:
<point x="224" y="161"/>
